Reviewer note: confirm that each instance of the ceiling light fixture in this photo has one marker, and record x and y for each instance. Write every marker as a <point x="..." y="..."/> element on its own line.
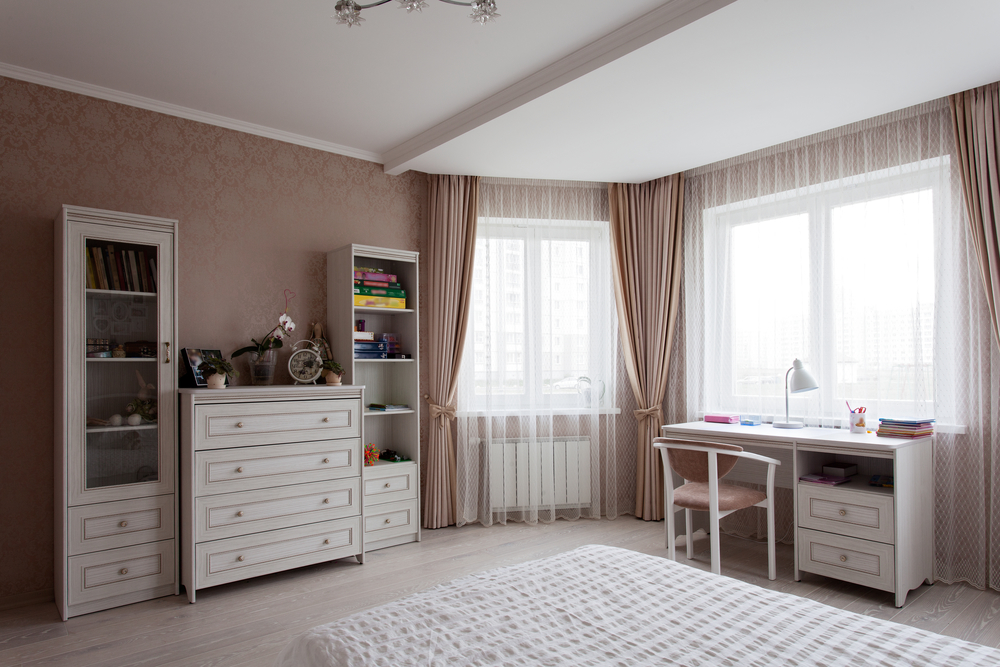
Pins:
<point x="349" y="12"/>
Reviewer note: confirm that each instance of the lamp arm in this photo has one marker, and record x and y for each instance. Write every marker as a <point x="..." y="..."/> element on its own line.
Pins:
<point x="786" y="393"/>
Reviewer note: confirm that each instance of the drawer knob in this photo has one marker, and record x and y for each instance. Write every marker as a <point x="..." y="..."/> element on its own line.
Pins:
<point x="326" y="501"/>
<point x="239" y="424"/>
<point x="326" y="460"/>
<point x="123" y="571"/>
<point x="388" y="485"/>
<point x="240" y="513"/>
<point x="240" y="469"/>
<point x="326" y="420"/>
<point x="123" y="524"/>
<point x="388" y="520"/>
<point x="843" y="512"/>
<point x="241" y="558"/>
<point x="326" y="541"/>
<point x="843" y="559"/>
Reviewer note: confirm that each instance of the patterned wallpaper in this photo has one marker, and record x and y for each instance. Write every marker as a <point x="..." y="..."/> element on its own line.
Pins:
<point x="255" y="215"/>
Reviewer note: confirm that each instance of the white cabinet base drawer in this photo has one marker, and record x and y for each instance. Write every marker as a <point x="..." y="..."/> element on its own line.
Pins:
<point x="391" y="520"/>
<point x="846" y="558"/>
<point x="120" y="524"/>
<point x="223" y="561"/>
<point x="248" y="468"/>
<point x="240" y="424"/>
<point x="389" y="482"/>
<point x="868" y="516"/>
<point x="234" y="514"/>
<point x="114" y="572"/>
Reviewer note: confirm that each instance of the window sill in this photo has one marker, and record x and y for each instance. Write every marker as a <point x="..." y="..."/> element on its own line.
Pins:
<point x="534" y="412"/>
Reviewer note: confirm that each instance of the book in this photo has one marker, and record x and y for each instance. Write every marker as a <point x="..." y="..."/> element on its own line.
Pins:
<point x="91" y="278"/>
<point x="113" y="266"/>
<point x="102" y="276"/>
<point x="378" y="277"/>
<point x="372" y="346"/>
<point x="379" y="301"/>
<point x="364" y="335"/>
<point x="152" y="273"/>
<point x="376" y="283"/>
<point x="136" y="283"/>
<point x="824" y="479"/>
<point x="371" y="355"/>
<point x="123" y="266"/>
<point x="720" y="418"/>
<point x="881" y="480"/>
<point x="387" y="407"/>
<point x="381" y="291"/>
<point x="143" y="271"/>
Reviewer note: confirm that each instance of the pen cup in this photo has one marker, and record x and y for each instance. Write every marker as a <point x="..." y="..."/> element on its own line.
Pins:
<point x="858" y="424"/>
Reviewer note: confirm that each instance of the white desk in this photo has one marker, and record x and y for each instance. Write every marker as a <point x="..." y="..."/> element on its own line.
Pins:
<point x="877" y="537"/>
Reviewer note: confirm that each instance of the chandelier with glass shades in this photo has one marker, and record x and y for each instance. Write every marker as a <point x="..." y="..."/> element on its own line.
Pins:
<point x="349" y="12"/>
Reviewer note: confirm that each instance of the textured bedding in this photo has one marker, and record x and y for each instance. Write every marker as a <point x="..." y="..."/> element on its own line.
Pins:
<point x="599" y="605"/>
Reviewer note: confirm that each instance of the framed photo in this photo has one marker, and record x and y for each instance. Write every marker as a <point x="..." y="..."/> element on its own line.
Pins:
<point x="192" y="359"/>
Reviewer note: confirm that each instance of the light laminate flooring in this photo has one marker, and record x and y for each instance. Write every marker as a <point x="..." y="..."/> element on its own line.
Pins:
<point x="248" y="623"/>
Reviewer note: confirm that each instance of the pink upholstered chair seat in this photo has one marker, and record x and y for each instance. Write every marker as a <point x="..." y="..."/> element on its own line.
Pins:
<point x="694" y="496"/>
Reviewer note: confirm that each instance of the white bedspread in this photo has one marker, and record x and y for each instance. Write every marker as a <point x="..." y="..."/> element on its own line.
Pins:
<point x="600" y="605"/>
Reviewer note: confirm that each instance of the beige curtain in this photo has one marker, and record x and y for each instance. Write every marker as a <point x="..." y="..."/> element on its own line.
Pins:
<point x="976" y="115"/>
<point x="451" y="242"/>
<point x="646" y="231"/>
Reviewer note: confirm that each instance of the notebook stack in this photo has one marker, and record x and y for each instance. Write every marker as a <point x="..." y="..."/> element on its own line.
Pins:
<point x="901" y="428"/>
<point x="372" y="287"/>
<point x="383" y="346"/>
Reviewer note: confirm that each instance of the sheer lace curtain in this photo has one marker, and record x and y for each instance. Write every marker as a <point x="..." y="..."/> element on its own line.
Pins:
<point x="849" y="250"/>
<point x="536" y="397"/>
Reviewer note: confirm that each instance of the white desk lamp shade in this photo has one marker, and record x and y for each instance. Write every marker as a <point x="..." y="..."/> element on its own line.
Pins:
<point x="797" y="380"/>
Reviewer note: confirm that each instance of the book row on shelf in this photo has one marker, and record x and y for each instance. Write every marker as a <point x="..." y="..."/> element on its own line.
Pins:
<point x="121" y="270"/>
<point x="369" y="345"/>
<point x="375" y="288"/>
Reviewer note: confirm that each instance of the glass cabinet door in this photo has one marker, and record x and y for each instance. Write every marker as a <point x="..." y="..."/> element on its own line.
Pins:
<point x="124" y="350"/>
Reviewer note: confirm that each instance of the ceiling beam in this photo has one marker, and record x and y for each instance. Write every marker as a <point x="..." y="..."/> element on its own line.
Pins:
<point x="662" y="21"/>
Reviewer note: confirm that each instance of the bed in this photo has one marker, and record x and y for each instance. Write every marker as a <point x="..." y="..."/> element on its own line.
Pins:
<point x="599" y="605"/>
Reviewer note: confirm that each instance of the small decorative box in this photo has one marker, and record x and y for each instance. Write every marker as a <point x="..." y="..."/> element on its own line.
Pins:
<point x="722" y="418"/>
<point x="840" y="469"/>
<point x="750" y="420"/>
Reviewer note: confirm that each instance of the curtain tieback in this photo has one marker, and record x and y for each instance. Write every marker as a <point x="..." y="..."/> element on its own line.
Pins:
<point x="442" y="412"/>
<point x="654" y="412"/>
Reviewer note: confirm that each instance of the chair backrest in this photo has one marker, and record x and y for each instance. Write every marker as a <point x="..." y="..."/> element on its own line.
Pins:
<point x="693" y="466"/>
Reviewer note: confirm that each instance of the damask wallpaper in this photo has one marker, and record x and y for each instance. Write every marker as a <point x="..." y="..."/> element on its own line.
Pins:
<point x="256" y="216"/>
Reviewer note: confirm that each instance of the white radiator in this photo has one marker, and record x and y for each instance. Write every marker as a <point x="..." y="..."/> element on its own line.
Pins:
<point x="527" y="474"/>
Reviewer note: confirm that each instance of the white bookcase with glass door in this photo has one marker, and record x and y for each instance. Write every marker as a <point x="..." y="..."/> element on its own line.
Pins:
<point x="115" y="410"/>
<point x="390" y="490"/>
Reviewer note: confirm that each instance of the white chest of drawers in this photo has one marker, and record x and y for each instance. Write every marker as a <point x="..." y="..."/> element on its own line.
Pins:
<point x="270" y="480"/>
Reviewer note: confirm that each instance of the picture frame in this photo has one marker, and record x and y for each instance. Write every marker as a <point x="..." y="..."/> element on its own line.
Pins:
<point x="192" y="357"/>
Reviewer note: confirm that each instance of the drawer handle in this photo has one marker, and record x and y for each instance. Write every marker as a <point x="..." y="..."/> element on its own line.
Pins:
<point x="388" y="520"/>
<point x="123" y="571"/>
<point x="240" y="513"/>
<point x="326" y="460"/>
<point x="326" y="420"/>
<point x="241" y="558"/>
<point x="326" y="541"/>
<point x="123" y="524"/>
<point x="388" y="485"/>
<point x="843" y="559"/>
<point x="326" y="501"/>
<point x="843" y="512"/>
<point x="239" y="424"/>
<point x="240" y="469"/>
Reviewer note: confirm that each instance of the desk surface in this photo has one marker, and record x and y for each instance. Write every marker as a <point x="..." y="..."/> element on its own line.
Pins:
<point x="767" y="434"/>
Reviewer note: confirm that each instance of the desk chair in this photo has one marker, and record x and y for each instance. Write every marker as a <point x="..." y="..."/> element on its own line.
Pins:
<point x="702" y="465"/>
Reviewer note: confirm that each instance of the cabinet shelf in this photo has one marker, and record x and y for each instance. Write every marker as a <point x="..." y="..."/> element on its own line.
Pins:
<point x="123" y="427"/>
<point x="378" y="309"/>
<point x="117" y="292"/>
<point x="383" y="361"/>
<point x="119" y="360"/>
<point x="369" y="413"/>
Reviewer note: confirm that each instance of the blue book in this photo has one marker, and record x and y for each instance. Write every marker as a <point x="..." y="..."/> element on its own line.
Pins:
<point x="371" y="355"/>
<point x="360" y="346"/>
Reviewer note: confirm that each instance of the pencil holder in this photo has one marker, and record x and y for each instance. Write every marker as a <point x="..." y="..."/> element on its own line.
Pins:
<point x="858" y="424"/>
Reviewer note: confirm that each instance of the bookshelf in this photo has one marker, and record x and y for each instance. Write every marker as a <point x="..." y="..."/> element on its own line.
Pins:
<point x="391" y="490"/>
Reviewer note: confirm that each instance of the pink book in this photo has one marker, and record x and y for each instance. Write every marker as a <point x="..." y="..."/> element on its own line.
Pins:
<point x="722" y="418"/>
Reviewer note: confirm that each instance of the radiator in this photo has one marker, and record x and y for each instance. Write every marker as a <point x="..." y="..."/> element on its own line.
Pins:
<point x="527" y="474"/>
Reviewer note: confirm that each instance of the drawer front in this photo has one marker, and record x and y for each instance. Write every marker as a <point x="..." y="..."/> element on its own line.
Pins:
<point x="233" y="514"/>
<point x="390" y="482"/>
<point x="119" y="571"/>
<point x="392" y="520"/>
<point x="846" y="558"/>
<point x="238" y="558"/>
<point x="863" y="515"/>
<point x="120" y="524"/>
<point x="248" y="468"/>
<point x="240" y="424"/>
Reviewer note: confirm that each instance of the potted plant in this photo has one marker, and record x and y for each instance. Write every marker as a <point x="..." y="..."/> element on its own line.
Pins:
<point x="333" y="372"/>
<point x="215" y="371"/>
<point x="262" y="354"/>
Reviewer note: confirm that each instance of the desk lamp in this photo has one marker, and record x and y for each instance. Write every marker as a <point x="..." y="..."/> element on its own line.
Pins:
<point x="800" y="380"/>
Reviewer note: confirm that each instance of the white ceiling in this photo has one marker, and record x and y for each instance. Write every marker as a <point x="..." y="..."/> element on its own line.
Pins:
<point x="564" y="89"/>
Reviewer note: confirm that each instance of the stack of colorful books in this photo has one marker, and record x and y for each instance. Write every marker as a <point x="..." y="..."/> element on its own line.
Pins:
<point x="382" y="346"/>
<point x="372" y="287"/>
<point x="903" y="428"/>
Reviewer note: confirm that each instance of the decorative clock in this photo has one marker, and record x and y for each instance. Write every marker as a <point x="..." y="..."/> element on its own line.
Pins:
<point x="305" y="365"/>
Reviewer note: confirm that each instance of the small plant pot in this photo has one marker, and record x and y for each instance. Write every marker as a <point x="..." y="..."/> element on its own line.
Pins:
<point x="216" y="381"/>
<point x="332" y="378"/>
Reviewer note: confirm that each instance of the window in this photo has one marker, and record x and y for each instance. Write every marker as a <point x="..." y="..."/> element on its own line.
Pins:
<point x="527" y="273"/>
<point x="839" y="274"/>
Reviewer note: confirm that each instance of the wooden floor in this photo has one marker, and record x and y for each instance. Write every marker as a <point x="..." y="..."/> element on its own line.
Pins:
<point x="249" y="622"/>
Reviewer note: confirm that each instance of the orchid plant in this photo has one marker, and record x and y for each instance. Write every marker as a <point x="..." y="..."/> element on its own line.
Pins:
<point x="273" y="338"/>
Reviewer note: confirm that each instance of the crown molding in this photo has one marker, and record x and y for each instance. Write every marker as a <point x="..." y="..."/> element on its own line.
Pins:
<point x="644" y="30"/>
<point x="111" y="95"/>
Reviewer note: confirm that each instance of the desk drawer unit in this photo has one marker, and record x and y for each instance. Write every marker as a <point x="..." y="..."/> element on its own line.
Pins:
<point x="120" y="524"/>
<point x="114" y="572"/>
<point x="236" y="425"/>
<point x="848" y="559"/>
<point x="391" y="520"/>
<point x="247" y="468"/>
<point x="234" y="514"/>
<point x="858" y="514"/>
<point x="223" y="561"/>
<point x="390" y="482"/>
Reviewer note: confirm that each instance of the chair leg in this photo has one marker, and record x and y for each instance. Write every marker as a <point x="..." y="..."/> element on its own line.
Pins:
<point x="689" y="531"/>
<point x="771" y="572"/>
<point x="669" y="527"/>
<point x="713" y="524"/>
